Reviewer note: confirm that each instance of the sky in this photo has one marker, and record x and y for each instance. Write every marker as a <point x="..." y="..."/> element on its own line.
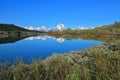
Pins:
<point x="49" y="13"/>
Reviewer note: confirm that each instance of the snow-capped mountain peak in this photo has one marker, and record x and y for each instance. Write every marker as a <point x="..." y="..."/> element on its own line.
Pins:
<point x="60" y="27"/>
<point x="43" y="29"/>
<point x="29" y="28"/>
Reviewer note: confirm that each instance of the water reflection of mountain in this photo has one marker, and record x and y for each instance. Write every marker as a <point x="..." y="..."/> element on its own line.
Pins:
<point x="13" y="39"/>
<point x="59" y="39"/>
<point x="38" y="37"/>
<point x="45" y="37"/>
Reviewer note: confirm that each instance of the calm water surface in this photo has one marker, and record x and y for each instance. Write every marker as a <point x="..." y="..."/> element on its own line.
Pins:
<point x="41" y="47"/>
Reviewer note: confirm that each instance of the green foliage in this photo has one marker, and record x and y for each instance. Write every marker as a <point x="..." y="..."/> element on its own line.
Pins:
<point x="11" y="27"/>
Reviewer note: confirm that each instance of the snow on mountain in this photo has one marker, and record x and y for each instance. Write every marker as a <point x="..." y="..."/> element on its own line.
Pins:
<point x="29" y="28"/>
<point x="81" y="28"/>
<point x="42" y="29"/>
<point x="37" y="28"/>
<point x="60" y="27"/>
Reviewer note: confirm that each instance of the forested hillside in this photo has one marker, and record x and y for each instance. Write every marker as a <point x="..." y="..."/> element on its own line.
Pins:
<point x="11" y="27"/>
<point x="8" y="30"/>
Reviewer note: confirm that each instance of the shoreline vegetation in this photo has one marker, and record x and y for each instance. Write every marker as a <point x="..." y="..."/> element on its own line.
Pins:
<point x="95" y="63"/>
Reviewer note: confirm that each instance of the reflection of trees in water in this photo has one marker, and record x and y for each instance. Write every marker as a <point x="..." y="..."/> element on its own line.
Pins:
<point x="11" y="39"/>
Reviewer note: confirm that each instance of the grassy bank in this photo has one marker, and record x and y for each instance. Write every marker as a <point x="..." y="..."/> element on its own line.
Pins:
<point x="96" y="63"/>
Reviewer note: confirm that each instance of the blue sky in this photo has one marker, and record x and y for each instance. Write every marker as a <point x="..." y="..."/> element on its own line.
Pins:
<point x="72" y="13"/>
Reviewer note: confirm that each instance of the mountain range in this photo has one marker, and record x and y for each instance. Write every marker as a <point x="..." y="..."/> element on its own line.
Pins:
<point x="59" y="27"/>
